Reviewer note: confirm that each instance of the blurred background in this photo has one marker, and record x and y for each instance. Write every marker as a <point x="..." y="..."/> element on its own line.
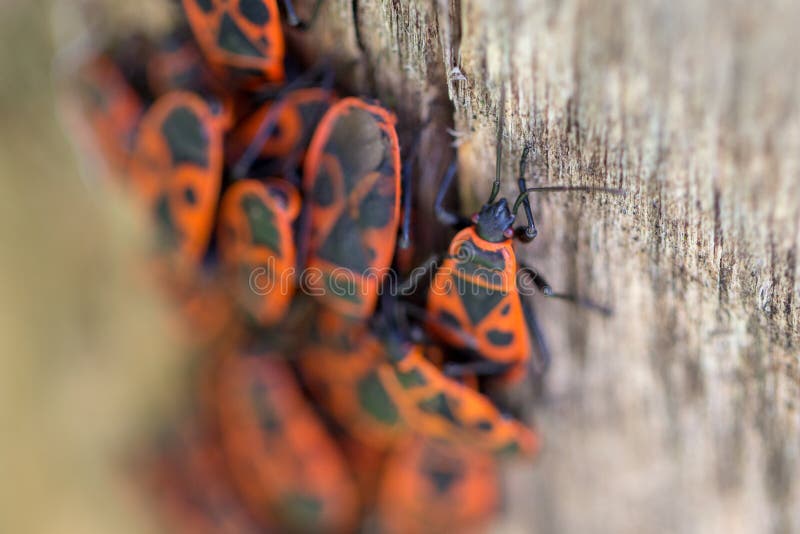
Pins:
<point x="86" y="362"/>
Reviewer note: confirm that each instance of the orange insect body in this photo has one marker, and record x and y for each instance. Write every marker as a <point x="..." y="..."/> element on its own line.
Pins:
<point x="176" y="170"/>
<point x="475" y="293"/>
<point x="284" y="463"/>
<point x="110" y="111"/>
<point x="434" y="487"/>
<point x="188" y="481"/>
<point x="298" y="116"/>
<point x="352" y="187"/>
<point x="367" y="463"/>
<point x="242" y="38"/>
<point x="436" y="406"/>
<point x="340" y="370"/>
<point x="256" y="246"/>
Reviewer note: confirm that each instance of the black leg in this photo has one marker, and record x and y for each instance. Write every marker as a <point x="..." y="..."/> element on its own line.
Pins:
<point x="407" y="194"/>
<point x="407" y="191"/>
<point x="540" y="365"/>
<point x="409" y="286"/>
<point x="446" y="217"/>
<point x="544" y="287"/>
<point x="529" y="232"/>
<point x="270" y="120"/>
<point x="478" y="368"/>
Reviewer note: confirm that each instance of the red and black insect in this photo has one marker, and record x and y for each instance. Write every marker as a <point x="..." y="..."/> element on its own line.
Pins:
<point x="340" y="369"/>
<point x="187" y="478"/>
<point x="285" y="465"/>
<point x="109" y="111"/>
<point x="241" y="38"/>
<point x="176" y="170"/>
<point x="256" y="246"/>
<point x="352" y="189"/>
<point x="434" y="487"/>
<point x="437" y="406"/>
<point x="475" y="290"/>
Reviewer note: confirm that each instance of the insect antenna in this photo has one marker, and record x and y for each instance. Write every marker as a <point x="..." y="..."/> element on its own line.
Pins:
<point x="499" y="159"/>
<point x="557" y="188"/>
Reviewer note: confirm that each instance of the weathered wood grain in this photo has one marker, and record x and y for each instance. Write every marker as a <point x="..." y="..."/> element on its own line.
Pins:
<point x="680" y="413"/>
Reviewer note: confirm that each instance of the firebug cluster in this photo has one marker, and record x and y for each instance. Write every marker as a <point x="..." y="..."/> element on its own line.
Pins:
<point x="324" y="401"/>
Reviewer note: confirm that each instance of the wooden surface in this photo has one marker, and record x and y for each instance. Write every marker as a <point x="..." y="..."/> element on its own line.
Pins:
<point x="680" y="413"/>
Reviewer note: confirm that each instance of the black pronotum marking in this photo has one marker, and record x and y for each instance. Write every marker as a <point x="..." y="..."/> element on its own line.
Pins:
<point x="232" y="39"/>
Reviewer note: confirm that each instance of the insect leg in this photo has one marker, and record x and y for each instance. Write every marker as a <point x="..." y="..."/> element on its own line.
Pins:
<point x="407" y="192"/>
<point x="270" y="120"/>
<point x="478" y="368"/>
<point x="293" y="161"/>
<point x="528" y="232"/>
<point x="546" y="289"/>
<point x="445" y="216"/>
<point x="409" y="286"/>
<point x="540" y="365"/>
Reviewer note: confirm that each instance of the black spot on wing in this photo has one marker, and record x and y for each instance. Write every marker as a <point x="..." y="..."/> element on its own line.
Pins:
<point x="186" y="136"/>
<point x="301" y="511"/>
<point x="232" y="39"/>
<point x="358" y="143"/>
<point x="411" y="379"/>
<point x="485" y="425"/>
<point x="255" y="11"/>
<point x="206" y="5"/>
<point x="478" y="301"/>
<point x="343" y="246"/>
<point x="343" y="287"/>
<point x="373" y="398"/>
<point x="500" y="338"/>
<point x="322" y="192"/>
<point x="448" y="319"/>
<point x="439" y="405"/>
<point x="376" y="210"/>
<point x="509" y="449"/>
<point x="443" y="479"/>
<point x="190" y="196"/>
<point x="261" y="219"/>
<point x="268" y="419"/>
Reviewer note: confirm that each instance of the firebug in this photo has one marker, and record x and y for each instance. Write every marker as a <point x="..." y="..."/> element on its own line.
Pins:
<point x="109" y="111"/>
<point x="476" y="289"/>
<point x="188" y="481"/>
<point x="284" y="463"/>
<point x="352" y="189"/>
<point x="176" y="170"/>
<point x="241" y="38"/>
<point x="256" y="246"/>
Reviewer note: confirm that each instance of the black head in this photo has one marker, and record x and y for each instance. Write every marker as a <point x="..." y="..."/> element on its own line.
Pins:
<point x="494" y="222"/>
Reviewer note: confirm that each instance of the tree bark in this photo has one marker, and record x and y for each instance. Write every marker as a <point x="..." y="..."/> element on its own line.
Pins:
<point x="679" y="413"/>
